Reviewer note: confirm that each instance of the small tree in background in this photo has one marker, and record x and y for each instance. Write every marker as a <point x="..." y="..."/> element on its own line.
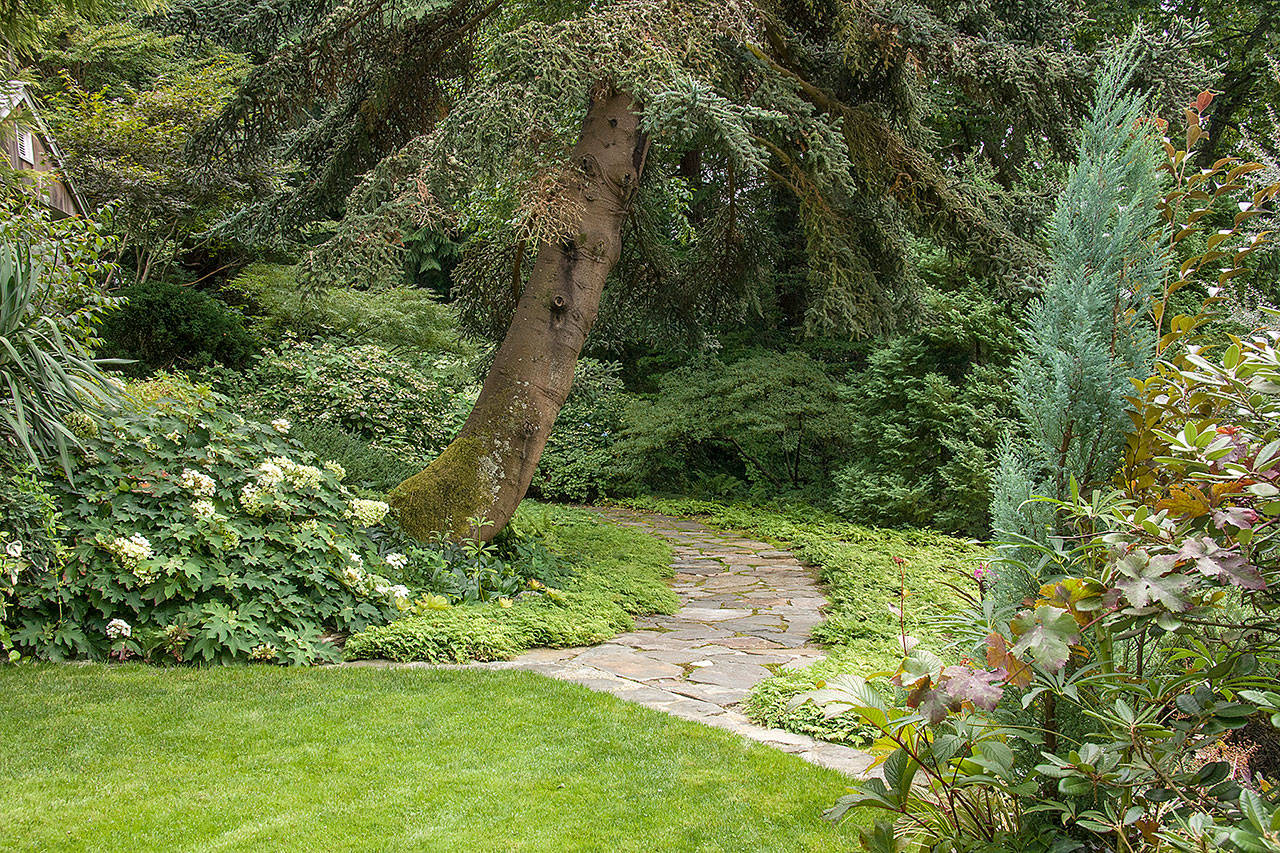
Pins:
<point x="125" y="147"/>
<point x="1086" y="338"/>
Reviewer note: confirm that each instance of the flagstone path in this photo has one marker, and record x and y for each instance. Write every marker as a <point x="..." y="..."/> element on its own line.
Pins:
<point x="746" y="609"/>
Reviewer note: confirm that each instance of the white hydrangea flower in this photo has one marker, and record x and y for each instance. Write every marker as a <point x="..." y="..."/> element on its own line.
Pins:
<point x="281" y="425"/>
<point x="175" y="436"/>
<point x="397" y="560"/>
<point x="197" y="482"/>
<point x="118" y="629"/>
<point x="335" y="469"/>
<point x="263" y="652"/>
<point x="368" y="513"/>
<point x="81" y="425"/>
<point x="132" y="551"/>
<point x="383" y="589"/>
<point x="269" y="473"/>
<point x="356" y="559"/>
<point x="303" y="476"/>
<point x="400" y="592"/>
<point x="280" y="468"/>
<point x="353" y="574"/>
<point x="203" y="509"/>
<point x="254" y="500"/>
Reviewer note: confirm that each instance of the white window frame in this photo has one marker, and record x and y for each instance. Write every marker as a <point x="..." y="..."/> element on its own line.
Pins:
<point x="26" y="147"/>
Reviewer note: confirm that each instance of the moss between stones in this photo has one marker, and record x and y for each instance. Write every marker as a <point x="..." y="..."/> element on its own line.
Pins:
<point x="441" y="497"/>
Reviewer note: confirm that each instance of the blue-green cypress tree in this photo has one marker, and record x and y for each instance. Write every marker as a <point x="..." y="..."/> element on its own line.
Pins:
<point x="1087" y="335"/>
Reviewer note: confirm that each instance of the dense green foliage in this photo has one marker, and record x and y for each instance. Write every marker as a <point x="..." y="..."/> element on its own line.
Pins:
<point x="164" y="325"/>
<point x="925" y="418"/>
<point x="191" y="533"/>
<point x="126" y="147"/>
<point x="399" y="760"/>
<point x="405" y="320"/>
<point x="377" y="469"/>
<point x="906" y="430"/>
<point x="198" y="535"/>
<point x="362" y="389"/>
<point x="579" y="462"/>
<point x="774" y="415"/>
<point x="616" y="574"/>
<point x="30" y="536"/>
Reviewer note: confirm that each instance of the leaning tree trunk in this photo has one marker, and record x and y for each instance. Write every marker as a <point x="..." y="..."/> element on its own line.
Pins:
<point x="486" y="470"/>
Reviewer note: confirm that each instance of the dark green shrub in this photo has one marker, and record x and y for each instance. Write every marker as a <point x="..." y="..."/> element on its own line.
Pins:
<point x="429" y="259"/>
<point x="28" y="514"/>
<point x="578" y="463"/>
<point x="926" y="417"/>
<point x="167" y="325"/>
<point x="464" y="571"/>
<point x="409" y="321"/>
<point x="367" y="466"/>
<point x="364" y="390"/>
<point x="774" y="419"/>
<point x="30" y="533"/>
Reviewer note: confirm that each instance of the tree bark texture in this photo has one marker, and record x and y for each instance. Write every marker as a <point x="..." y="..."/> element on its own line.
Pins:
<point x="484" y="473"/>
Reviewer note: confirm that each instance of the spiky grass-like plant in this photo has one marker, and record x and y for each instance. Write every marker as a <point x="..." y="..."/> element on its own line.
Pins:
<point x="45" y="375"/>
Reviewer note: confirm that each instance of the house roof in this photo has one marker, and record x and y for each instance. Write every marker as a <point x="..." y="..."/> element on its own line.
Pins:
<point x="14" y="94"/>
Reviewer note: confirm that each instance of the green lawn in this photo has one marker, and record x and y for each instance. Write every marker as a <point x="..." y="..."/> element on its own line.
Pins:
<point x="260" y="758"/>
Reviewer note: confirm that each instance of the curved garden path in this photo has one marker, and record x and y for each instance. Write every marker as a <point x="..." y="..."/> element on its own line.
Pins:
<point x="746" y="610"/>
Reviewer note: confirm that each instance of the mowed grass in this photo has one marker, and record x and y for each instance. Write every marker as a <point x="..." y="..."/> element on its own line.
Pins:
<point x="260" y="758"/>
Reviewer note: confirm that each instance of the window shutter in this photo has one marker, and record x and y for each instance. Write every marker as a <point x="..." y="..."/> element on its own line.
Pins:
<point x="26" y="147"/>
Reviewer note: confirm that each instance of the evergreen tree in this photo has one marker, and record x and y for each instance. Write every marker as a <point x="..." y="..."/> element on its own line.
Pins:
<point x="1085" y="338"/>
<point x="505" y="118"/>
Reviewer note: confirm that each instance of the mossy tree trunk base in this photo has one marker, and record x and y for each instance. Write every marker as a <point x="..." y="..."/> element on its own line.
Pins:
<point x="484" y="473"/>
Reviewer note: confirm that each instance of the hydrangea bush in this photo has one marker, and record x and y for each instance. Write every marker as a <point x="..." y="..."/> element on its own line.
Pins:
<point x="204" y="536"/>
<point x="365" y="390"/>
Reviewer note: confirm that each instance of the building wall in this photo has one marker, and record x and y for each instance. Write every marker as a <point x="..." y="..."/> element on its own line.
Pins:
<point x="55" y="192"/>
